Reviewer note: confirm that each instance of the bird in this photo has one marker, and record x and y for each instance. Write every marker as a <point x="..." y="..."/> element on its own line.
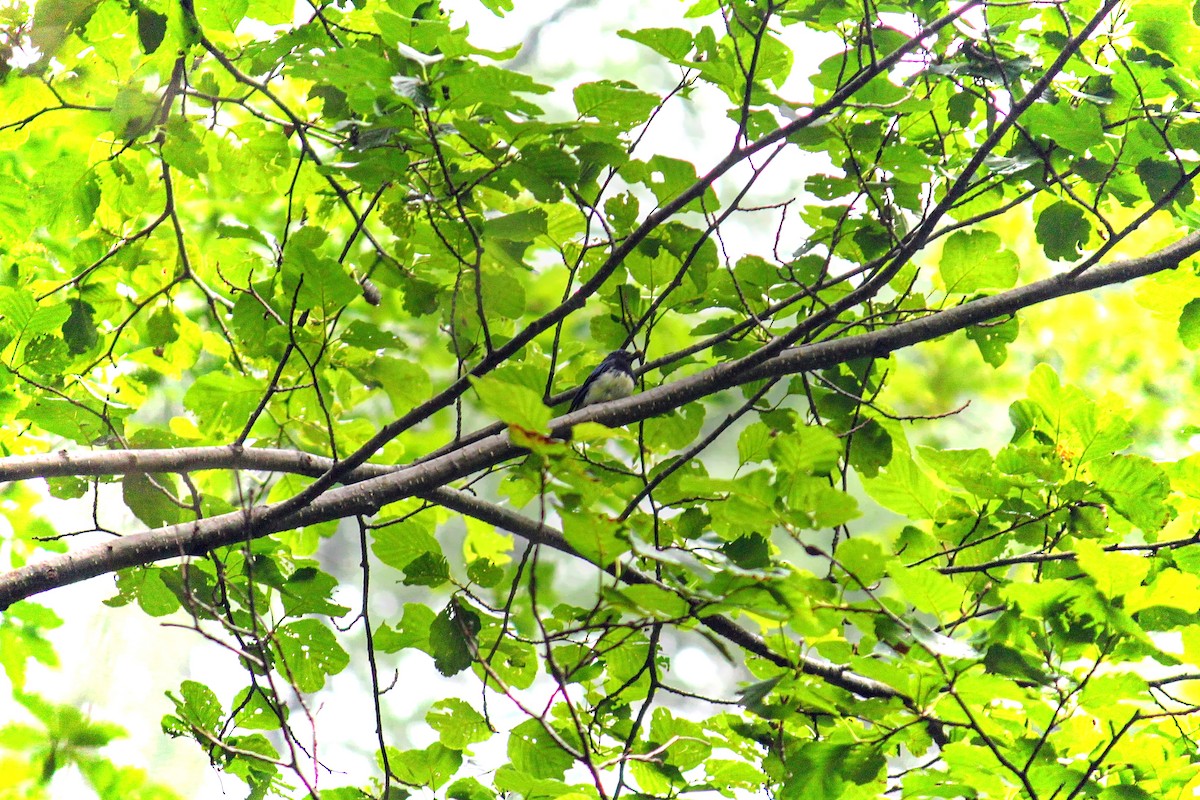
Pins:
<point x="611" y="380"/>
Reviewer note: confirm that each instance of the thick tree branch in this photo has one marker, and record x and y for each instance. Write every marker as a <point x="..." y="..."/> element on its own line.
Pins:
<point x="919" y="236"/>
<point x="268" y="460"/>
<point x="64" y="463"/>
<point x="830" y="352"/>
<point x="381" y="486"/>
<point x="615" y="259"/>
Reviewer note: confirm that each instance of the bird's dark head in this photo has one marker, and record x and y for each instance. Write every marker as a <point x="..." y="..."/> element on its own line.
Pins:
<point x="624" y="358"/>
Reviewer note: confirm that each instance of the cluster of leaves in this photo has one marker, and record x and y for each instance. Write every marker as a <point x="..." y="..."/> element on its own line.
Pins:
<point x="274" y="269"/>
<point x="63" y="737"/>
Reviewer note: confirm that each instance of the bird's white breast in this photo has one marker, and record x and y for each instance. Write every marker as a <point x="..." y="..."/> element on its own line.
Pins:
<point x="609" y="386"/>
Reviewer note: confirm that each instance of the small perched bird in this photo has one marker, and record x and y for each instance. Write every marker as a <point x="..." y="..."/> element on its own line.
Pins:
<point x="611" y="380"/>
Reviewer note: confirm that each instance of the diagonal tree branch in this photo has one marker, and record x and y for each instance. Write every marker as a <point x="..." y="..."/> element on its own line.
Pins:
<point x="234" y="457"/>
<point x="817" y="114"/>
<point x="381" y="485"/>
<point x="540" y="533"/>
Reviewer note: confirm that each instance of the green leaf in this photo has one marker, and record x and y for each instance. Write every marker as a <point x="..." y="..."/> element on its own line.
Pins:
<point x="1062" y="231"/>
<point x="68" y="420"/>
<point x="974" y="470"/>
<point x="512" y="403"/>
<point x="904" y="488"/>
<point x="863" y="558"/>
<point x="754" y="696"/>
<point x="1075" y="126"/>
<point x="133" y="112"/>
<point x="534" y="752"/>
<point x="25" y="318"/>
<point x="485" y="541"/>
<point x="993" y="338"/>
<point x="162" y="328"/>
<point x="452" y="638"/>
<point x="371" y="337"/>
<point x="817" y="770"/>
<point x="1189" y="325"/>
<point x="677" y="429"/>
<point x="146" y="584"/>
<point x="308" y="591"/>
<point x="311" y="653"/>
<point x="197" y="706"/>
<point x="1138" y="489"/>
<point x="33" y="614"/>
<point x="427" y="569"/>
<point x="522" y="226"/>
<point x="272" y="12"/>
<point x="976" y="260"/>
<point x="1085" y="429"/>
<point x="1165" y="27"/>
<point x="483" y="572"/>
<point x="430" y="767"/>
<point x="1169" y="588"/>
<point x="222" y="402"/>
<point x="184" y="151"/>
<point x="503" y="294"/>
<point x="67" y="725"/>
<point x="927" y="590"/>
<point x="406" y="383"/>
<point x="150" y="498"/>
<point x="1004" y="660"/>
<point x="311" y="281"/>
<point x="815" y="504"/>
<point x="1115" y="574"/>
<point x="674" y="44"/>
<point x="497" y="7"/>
<point x="458" y="724"/>
<point x="1124" y="791"/>
<point x="1164" y="180"/>
<point x="870" y="448"/>
<point x="414" y="630"/>
<point x="652" y="601"/>
<point x="469" y="788"/>
<point x="256" y="712"/>
<point x="344" y="793"/>
<point x="810" y="450"/>
<point x="79" y="331"/>
<point x="614" y="102"/>
<point x="753" y="443"/>
<point x="398" y="545"/>
<point x="596" y="537"/>
<point x="667" y="178"/>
